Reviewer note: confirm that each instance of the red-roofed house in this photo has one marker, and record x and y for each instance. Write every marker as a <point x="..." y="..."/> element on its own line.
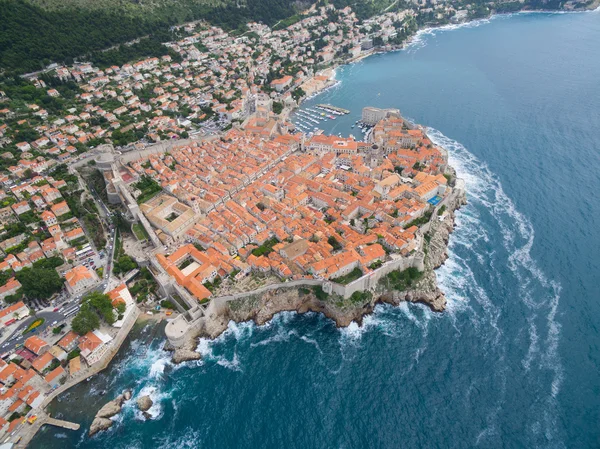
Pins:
<point x="36" y="345"/>
<point x="55" y="376"/>
<point x="42" y="362"/>
<point x="12" y="313"/>
<point x="69" y="342"/>
<point x="79" y="279"/>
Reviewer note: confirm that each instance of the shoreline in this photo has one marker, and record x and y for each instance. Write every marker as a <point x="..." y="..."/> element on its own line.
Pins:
<point x="413" y="39"/>
<point x="262" y="306"/>
<point x="81" y="376"/>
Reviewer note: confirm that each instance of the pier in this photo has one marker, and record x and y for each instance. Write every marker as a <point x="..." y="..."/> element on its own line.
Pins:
<point x="334" y="108"/>
<point x="61" y="423"/>
<point x="43" y="419"/>
<point x="28" y="431"/>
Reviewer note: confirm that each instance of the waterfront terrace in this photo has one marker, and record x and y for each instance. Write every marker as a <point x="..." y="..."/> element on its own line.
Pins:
<point x="305" y="215"/>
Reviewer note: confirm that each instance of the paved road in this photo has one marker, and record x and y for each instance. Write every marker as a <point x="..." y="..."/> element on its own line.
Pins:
<point x="49" y="318"/>
<point x="16" y="337"/>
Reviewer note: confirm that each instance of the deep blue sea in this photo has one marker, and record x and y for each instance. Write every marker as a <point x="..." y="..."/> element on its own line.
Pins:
<point x="513" y="363"/>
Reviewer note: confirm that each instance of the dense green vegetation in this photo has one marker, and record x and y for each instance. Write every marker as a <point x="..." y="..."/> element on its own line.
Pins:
<point x="41" y="281"/>
<point x="147" y="47"/>
<point x="265" y="248"/>
<point x="375" y="265"/>
<point x="166" y="304"/>
<point x="61" y="173"/>
<point x="364" y="9"/>
<point x="350" y="277"/>
<point x="144" y="286"/>
<point x="277" y="107"/>
<point x="212" y="286"/>
<point x="123" y="262"/>
<point x="334" y="243"/>
<point x="139" y="232"/>
<point x="401" y="280"/>
<point x="86" y="320"/>
<point x="149" y="188"/>
<point x="94" y="306"/>
<point x="320" y="293"/>
<point x="288" y="22"/>
<point x="74" y="353"/>
<point x="360" y="297"/>
<point x="32" y="36"/>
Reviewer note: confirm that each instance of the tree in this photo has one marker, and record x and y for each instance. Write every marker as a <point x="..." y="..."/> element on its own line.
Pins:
<point x="298" y="93"/>
<point x="94" y="306"/>
<point x="102" y="304"/>
<point x="277" y="107"/>
<point x="39" y="283"/>
<point x="124" y="264"/>
<point x="165" y="303"/>
<point x="334" y="243"/>
<point x="86" y="320"/>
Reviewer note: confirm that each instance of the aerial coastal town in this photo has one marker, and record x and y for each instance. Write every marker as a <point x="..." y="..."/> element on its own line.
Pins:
<point x="174" y="185"/>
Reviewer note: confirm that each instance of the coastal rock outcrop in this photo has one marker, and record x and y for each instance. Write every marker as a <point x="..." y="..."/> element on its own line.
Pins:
<point x="184" y="354"/>
<point x="100" y="424"/>
<point x="101" y="420"/>
<point x="144" y="403"/>
<point x="111" y="408"/>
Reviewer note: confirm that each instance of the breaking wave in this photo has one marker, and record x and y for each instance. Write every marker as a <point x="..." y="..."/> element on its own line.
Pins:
<point x="419" y="40"/>
<point x="490" y="210"/>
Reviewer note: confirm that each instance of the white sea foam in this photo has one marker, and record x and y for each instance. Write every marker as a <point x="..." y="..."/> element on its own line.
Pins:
<point x="533" y="346"/>
<point x="157" y="368"/>
<point x="539" y="294"/>
<point x="313" y="342"/>
<point x="157" y="396"/>
<point x="352" y="332"/>
<point x="239" y="331"/>
<point x="418" y="40"/>
<point x="191" y="439"/>
<point x="205" y="347"/>
<point x="282" y="335"/>
<point x="406" y="311"/>
<point x="233" y="364"/>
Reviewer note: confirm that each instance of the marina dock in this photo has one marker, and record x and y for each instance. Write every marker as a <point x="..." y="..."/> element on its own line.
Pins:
<point x="61" y="423"/>
<point x="333" y="108"/>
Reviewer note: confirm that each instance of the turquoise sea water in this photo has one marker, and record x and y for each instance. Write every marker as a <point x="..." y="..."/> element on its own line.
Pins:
<point x="513" y="362"/>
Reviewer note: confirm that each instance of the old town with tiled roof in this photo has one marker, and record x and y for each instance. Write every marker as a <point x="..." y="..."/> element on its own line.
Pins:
<point x="175" y="185"/>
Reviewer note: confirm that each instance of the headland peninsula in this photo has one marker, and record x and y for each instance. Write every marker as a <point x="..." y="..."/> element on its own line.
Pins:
<point x="189" y="185"/>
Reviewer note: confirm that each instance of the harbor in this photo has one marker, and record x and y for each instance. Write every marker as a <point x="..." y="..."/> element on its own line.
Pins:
<point x="307" y="120"/>
<point x="311" y="120"/>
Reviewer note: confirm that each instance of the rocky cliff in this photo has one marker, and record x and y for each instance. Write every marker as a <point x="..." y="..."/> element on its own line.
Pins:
<point x="262" y="307"/>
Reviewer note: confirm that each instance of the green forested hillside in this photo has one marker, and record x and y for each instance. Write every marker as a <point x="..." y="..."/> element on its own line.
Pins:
<point x="32" y="35"/>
